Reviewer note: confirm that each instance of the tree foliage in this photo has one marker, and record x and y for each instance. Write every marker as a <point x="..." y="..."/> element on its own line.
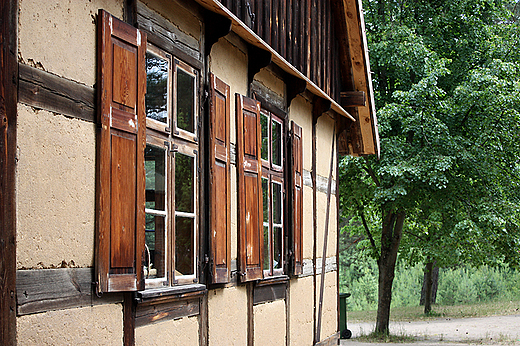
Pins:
<point x="447" y="87"/>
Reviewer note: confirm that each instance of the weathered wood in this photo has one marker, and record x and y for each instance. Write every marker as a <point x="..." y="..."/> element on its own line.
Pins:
<point x="56" y="289"/>
<point x="295" y="86"/>
<point x="128" y="319"/>
<point x="204" y="321"/>
<point x="154" y="312"/>
<point x="250" y="315"/>
<point x="46" y="91"/>
<point x="353" y="99"/>
<point x="332" y="340"/>
<point x="8" y="132"/>
<point x="326" y="235"/>
<point x="269" y="293"/>
<point x="270" y="100"/>
<point x="258" y="59"/>
<point x="216" y="26"/>
<point x="150" y="21"/>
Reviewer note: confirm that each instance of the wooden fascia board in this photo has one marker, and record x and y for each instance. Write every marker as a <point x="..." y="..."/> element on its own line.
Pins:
<point x="250" y="37"/>
<point x="362" y="75"/>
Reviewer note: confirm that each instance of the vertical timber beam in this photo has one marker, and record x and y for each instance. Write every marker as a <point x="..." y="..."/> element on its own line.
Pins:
<point x="8" y="120"/>
<point x="319" y="106"/>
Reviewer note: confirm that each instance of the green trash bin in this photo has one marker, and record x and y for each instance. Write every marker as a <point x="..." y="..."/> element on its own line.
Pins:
<point x="345" y="333"/>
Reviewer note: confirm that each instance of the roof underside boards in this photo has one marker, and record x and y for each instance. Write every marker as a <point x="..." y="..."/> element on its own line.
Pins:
<point x="331" y="54"/>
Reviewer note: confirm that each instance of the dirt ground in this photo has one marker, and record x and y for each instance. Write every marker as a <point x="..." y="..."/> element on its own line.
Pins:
<point x="495" y="330"/>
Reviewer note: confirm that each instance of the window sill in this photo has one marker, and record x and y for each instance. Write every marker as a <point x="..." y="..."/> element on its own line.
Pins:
<point x="273" y="280"/>
<point x="170" y="293"/>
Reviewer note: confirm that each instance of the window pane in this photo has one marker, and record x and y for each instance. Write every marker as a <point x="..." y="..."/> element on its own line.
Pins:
<point x="185" y="101"/>
<point x="184" y="245"/>
<point x="277" y="203"/>
<point x="277" y="143"/>
<point x="264" y="122"/>
<point x="266" y="247"/>
<point x="154" y="163"/>
<point x="265" y="198"/>
<point x="155" y="240"/>
<point x="277" y="247"/>
<point x="184" y="183"/>
<point x="156" y="87"/>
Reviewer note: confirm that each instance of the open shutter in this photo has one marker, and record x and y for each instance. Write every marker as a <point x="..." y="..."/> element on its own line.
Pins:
<point x="120" y="159"/>
<point x="249" y="168"/>
<point x="297" y="197"/>
<point x="220" y="181"/>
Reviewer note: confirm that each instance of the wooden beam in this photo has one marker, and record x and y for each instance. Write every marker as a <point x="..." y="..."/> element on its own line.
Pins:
<point x="258" y="59"/>
<point x="216" y="26"/>
<point x="353" y="99"/>
<point x="320" y="106"/>
<point x="367" y="122"/>
<point x="295" y="86"/>
<point x="269" y="293"/>
<point x="128" y="319"/>
<point x="8" y="132"/>
<point x="46" y="91"/>
<point x="56" y="289"/>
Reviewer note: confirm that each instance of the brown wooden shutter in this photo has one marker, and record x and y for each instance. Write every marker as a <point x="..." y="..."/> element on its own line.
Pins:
<point x="249" y="168"/>
<point x="120" y="160"/>
<point x="297" y="197"/>
<point x="220" y="181"/>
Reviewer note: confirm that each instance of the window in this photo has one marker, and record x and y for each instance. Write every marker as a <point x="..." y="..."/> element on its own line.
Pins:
<point x="171" y="165"/>
<point x="272" y="192"/>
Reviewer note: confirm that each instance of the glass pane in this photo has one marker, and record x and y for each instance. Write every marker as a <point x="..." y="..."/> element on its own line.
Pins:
<point x="264" y="121"/>
<point x="185" y="101"/>
<point x="277" y="143"/>
<point x="156" y="87"/>
<point x="184" y="246"/>
<point x="155" y="167"/>
<point x="184" y="183"/>
<point x="265" y="194"/>
<point x="155" y="240"/>
<point x="277" y="203"/>
<point x="266" y="248"/>
<point x="277" y="247"/>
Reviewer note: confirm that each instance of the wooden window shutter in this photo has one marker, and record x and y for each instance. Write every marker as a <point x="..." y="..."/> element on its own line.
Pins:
<point x="249" y="168"/>
<point x="297" y="197"/>
<point x="120" y="187"/>
<point x="220" y="181"/>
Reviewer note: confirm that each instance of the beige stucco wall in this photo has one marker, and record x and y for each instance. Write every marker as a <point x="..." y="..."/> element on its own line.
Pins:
<point x="55" y="185"/>
<point x="300" y="111"/>
<point x="269" y="323"/>
<point x="301" y="302"/>
<point x="332" y="236"/>
<point x="97" y="325"/>
<point x="324" y="136"/>
<point x="329" y="322"/>
<point x="228" y="61"/>
<point x="227" y="314"/>
<point x="267" y="77"/>
<point x="60" y="35"/>
<point x="181" y="332"/>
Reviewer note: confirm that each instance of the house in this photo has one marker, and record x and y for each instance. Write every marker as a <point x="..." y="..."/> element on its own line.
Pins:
<point x="169" y="168"/>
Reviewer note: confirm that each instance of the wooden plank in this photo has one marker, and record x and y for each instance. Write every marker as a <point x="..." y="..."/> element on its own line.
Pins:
<point x="332" y="340"/>
<point x="353" y="99"/>
<point x="8" y="133"/>
<point x="204" y="321"/>
<point x="154" y="312"/>
<point x="267" y="22"/>
<point x="55" y="289"/>
<point x="269" y="293"/>
<point x="46" y="91"/>
<point x="361" y="75"/>
<point x="283" y="28"/>
<point x="275" y="27"/>
<point x="128" y="319"/>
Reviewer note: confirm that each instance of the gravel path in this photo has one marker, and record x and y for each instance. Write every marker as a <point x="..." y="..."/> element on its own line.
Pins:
<point x="504" y="330"/>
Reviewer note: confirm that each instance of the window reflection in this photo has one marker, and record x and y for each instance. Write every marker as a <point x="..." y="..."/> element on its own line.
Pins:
<point x="184" y="246"/>
<point x="185" y="101"/>
<point x="156" y="87"/>
<point x="184" y="179"/>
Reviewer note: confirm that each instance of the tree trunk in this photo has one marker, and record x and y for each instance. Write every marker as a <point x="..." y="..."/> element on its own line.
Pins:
<point x="435" y="285"/>
<point x="390" y="238"/>
<point x="428" y="281"/>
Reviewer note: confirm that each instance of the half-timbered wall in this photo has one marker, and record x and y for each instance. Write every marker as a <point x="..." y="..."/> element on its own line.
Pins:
<point x="301" y="31"/>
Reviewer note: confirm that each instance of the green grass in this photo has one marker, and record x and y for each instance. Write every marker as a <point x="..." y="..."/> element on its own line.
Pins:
<point x="457" y="311"/>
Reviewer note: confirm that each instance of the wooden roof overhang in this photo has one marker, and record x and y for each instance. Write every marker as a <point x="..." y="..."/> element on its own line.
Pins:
<point x="358" y="123"/>
<point x="250" y="37"/>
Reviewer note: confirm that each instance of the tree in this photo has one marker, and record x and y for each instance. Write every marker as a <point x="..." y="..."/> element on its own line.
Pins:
<point x="446" y="189"/>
